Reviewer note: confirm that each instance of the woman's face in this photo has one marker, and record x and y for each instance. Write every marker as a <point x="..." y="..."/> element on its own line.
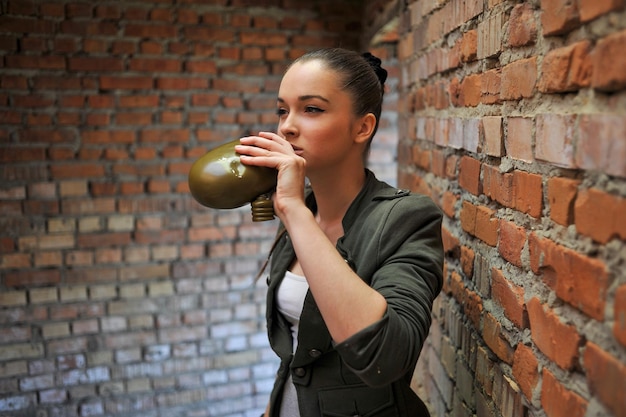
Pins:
<point x="316" y="116"/>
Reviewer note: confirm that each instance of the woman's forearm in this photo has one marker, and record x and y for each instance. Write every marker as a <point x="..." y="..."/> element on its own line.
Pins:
<point x="347" y="304"/>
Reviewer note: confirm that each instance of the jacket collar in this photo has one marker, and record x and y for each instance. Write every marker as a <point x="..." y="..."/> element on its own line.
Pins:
<point x="372" y="190"/>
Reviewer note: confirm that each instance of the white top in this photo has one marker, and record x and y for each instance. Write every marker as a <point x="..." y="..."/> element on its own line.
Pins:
<point x="290" y="300"/>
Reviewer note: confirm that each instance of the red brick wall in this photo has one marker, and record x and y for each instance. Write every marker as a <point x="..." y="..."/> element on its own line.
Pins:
<point x="513" y="118"/>
<point x="118" y="294"/>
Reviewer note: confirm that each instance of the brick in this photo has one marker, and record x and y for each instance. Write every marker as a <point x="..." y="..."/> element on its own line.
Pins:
<point x="558" y="341"/>
<point x="526" y="370"/>
<point x="468" y="217"/>
<point x="69" y="294"/>
<point x="205" y="99"/>
<point x="108" y="255"/>
<point x="179" y="83"/>
<point x="88" y="224"/>
<point x="519" y="79"/>
<point x="511" y="242"/>
<point x="600" y="145"/>
<point x="470" y="90"/>
<point x="85" y="208"/>
<point x="590" y="9"/>
<point x="577" y="279"/>
<point x="448" y="203"/>
<point x="15" y="334"/>
<point x="109" y="137"/>
<point x="471" y="134"/>
<point x="487" y="227"/>
<point x="53" y="396"/>
<point x="102" y="292"/>
<point x="175" y="335"/>
<point x="48" y="259"/>
<point x="559" y="16"/>
<point x="522" y="25"/>
<point x="138" y="101"/>
<point x="126" y="83"/>
<point x="79" y="258"/>
<point x="17" y="402"/>
<point x="150" y="31"/>
<point x="76" y="170"/>
<point x="455" y="133"/>
<point x="492" y="128"/>
<point x="566" y="69"/>
<point x="558" y="401"/>
<point x="600" y="228"/>
<point x="160" y="236"/>
<point x="562" y="194"/>
<point x="498" y="186"/>
<point x="12" y="298"/>
<point x="14" y="193"/>
<point x="85" y="326"/>
<point x="164" y="136"/>
<point x="21" y="351"/>
<point x="467" y="261"/>
<point x="528" y="190"/>
<point x="155" y="65"/>
<point x="164" y="253"/>
<point x="609" y="64"/>
<point x="95" y="64"/>
<point x="158" y="289"/>
<point x="494" y="338"/>
<point x="120" y="223"/>
<point x="50" y="62"/>
<point x="32" y="278"/>
<point x="55" y="330"/>
<point x="469" y="175"/>
<point x="16" y="260"/>
<point x="555" y="139"/>
<point x="490" y="34"/>
<point x="510" y="297"/>
<point x="478" y="221"/>
<point x="36" y="383"/>
<point x="144" y="272"/>
<point x="606" y="375"/>
<point x="619" y="315"/>
<point x="14" y="368"/>
<point x="96" y="240"/>
<point x="129" y="119"/>
<point x="468" y="46"/>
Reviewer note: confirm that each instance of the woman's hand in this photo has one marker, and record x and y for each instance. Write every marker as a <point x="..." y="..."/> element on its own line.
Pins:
<point x="272" y="151"/>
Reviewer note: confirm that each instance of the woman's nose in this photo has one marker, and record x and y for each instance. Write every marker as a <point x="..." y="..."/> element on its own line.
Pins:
<point x="287" y="126"/>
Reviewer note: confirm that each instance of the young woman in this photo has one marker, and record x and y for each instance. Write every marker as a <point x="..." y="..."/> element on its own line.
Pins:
<point x="356" y="264"/>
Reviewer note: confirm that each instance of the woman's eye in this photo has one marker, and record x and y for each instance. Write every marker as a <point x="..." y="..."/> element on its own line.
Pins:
<point x="313" y="109"/>
<point x="281" y="112"/>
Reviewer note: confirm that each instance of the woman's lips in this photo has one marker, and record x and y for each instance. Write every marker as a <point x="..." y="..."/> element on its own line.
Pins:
<point x="297" y="151"/>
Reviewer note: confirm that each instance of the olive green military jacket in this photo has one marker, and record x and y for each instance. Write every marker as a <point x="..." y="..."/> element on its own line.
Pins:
<point x="392" y="240"/>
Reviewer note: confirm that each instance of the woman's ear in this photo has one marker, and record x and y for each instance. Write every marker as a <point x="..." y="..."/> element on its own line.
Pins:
<point x="365" y="127"/>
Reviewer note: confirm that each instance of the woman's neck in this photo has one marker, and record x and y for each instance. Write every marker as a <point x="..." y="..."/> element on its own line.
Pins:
<point x="334" y="194"/>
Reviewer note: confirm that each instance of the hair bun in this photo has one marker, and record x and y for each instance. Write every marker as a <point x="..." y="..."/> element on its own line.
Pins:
<point x="375" y="63"/>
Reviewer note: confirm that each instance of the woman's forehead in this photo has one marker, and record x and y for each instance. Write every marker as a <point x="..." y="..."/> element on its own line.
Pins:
<point x="309" y="77"/>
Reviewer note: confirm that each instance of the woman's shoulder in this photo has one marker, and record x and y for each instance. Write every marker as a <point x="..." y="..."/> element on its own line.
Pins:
<point x="404" y="199"/>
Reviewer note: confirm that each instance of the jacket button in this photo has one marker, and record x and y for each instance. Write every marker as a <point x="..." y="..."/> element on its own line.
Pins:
<point x="300" y="372"/>
<point x="315" y="353"/>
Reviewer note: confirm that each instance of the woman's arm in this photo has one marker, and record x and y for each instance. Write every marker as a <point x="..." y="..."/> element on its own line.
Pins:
<point x="346" y="302"/>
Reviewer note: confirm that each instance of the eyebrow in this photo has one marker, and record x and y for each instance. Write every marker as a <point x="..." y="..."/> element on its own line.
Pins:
<point x="307" y="97"/>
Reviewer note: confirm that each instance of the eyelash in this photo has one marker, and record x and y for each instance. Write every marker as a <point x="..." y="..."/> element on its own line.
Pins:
<point x="307" y="109"/>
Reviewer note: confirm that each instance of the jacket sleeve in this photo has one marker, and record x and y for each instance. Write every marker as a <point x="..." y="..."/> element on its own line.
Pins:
<point x="409" y="274"/>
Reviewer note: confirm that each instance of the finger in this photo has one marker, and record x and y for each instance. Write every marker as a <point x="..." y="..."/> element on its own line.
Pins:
<point x="251" y="150"/>
<point x="275" y="138"/>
